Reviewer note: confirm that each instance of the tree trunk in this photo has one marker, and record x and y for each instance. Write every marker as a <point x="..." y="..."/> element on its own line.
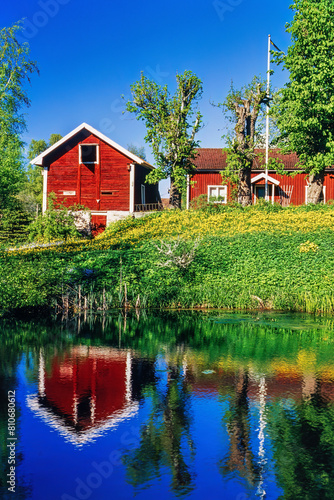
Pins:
<point x="244" y="187"/>
<point x="174" y="196"/>
<point x="315" y="187"/>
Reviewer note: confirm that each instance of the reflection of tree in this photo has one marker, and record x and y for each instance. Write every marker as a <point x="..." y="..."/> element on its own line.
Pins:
<point x="9" y="360"/>
<point x="162" y="440"/>
<point x="240" y="458"/>
<point x="303" y="444"/>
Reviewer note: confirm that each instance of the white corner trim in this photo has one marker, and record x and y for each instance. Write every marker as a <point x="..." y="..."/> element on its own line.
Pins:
<point x="132" y="188"/>
<point x="39" y="159"/>
<point x="45" y="189"/>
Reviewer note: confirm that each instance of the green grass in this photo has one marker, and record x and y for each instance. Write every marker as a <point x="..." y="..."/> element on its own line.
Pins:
<point x="286" y="269"/>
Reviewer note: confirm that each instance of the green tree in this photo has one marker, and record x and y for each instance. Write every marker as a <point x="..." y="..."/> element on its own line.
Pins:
<point x="165" y="440"/>
<point x="32" y="193"/>
<point x="15" y="68"/>
<point x="171" y="123"/>
<point x="305" y="109"/>
<point x="137" y="150"/>
<point x="242" y="108"/>
<point x="302" y="439"/>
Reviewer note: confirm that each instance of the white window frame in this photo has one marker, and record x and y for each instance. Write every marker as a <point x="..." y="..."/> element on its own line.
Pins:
<point x="218" y="186"/>
<point x="306" y="195"/>
<point x="143" y="194"/>
<point x="97" y="154"/>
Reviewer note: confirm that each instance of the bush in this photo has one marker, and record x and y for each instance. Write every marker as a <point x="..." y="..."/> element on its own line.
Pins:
<point x="14" y="225"/>
<point x="57" y="223"/>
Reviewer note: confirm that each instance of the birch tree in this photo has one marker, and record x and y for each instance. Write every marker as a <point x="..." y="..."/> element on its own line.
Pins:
<point x="15" y="69"/>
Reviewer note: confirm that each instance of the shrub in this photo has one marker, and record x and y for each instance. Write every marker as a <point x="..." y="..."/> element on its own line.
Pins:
<point x="57" y="223"/>
<point x="14" y="225"/>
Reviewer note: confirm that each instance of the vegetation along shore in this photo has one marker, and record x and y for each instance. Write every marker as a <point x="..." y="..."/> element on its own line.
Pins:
<point x="256" y="257"/>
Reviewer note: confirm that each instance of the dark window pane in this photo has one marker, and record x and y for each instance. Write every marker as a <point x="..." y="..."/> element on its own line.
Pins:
<point x="88" y="153"/>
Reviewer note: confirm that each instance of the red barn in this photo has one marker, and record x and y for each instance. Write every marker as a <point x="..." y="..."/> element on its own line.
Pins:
<point x="283" y="189"/>
<point x="88" y="168"/>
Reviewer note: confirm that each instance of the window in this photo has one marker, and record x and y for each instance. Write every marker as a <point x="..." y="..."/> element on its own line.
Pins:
<point x="88" y="153"/>
<point x="217" y="194"/>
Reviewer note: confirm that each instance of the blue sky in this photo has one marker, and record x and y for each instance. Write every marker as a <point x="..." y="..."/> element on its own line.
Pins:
<point x="90" y="52"/>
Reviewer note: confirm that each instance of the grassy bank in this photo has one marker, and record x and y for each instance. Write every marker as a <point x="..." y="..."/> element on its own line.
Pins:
<point x="222" y="257"/>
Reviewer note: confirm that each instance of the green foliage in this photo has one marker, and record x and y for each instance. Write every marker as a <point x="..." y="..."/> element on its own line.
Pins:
<point x="57" y="223"/>
<point x="11" y="168"/>
<point x="170" y="123"/>
<point x="243" y="108"/>
<point x="304" y="110"/>
<point x="32" y="193"/>
<point x="281" y="270"/>
<point x="15" y="69"/>
<point x="137" y="150"/>
<point x="14" y="225"/>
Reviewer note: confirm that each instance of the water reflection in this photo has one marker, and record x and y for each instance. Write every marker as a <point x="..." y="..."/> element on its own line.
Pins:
<point x="223" y="406"/>
<point x="165" y="438"/>
<point x="88" y="390"/>
<point x="240" y="459"/>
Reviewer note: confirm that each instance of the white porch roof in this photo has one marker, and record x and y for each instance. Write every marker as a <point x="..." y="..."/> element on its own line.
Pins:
<point x="264" y="176"/>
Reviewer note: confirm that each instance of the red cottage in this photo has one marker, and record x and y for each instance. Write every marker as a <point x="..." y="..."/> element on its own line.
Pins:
<point x="88" y="168"/>
<point x="283" y="189"/>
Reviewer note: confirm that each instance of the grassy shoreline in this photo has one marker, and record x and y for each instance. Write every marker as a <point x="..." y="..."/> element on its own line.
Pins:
<point x="261" y="257"/>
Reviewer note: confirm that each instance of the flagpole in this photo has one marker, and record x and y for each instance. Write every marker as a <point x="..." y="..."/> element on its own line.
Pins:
<point x="266" y="197"/>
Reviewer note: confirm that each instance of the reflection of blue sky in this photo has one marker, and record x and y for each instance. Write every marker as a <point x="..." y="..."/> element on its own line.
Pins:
<point x="53" y="465"/>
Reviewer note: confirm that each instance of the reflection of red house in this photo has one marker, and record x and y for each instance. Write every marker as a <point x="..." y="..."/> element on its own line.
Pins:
<point x="282" y="189"/>
<point x="85" y="392"/>
<point x="280" y="385"/>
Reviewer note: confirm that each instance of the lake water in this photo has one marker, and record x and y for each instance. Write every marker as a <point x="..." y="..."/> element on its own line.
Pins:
<point x="163" y="406"/>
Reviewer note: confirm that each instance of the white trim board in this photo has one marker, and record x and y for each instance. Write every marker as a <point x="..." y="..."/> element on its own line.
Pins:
<point x="39" y="160"/>
<point x="264" y="176"/>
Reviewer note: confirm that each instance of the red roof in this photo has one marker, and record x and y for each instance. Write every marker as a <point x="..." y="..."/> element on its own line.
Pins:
<point x="215" y="159"/>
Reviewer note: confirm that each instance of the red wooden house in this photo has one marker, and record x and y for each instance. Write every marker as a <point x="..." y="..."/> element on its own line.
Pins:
<point x="85" y="167"/>
<point x="283" y="189"/>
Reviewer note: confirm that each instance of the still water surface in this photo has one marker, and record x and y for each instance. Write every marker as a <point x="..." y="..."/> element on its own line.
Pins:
<point x="191" y="406"/>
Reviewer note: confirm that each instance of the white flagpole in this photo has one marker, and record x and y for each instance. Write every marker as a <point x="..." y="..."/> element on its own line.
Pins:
<point x="266" y="197"/>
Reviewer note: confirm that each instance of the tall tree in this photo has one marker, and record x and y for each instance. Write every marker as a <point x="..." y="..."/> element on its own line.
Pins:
<point x="15" y="68"/>
<point x="305" y="110"/>
<point x="171" y="123"/>
<point x="32" y="193"/>
<point x="242" y="107"/>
